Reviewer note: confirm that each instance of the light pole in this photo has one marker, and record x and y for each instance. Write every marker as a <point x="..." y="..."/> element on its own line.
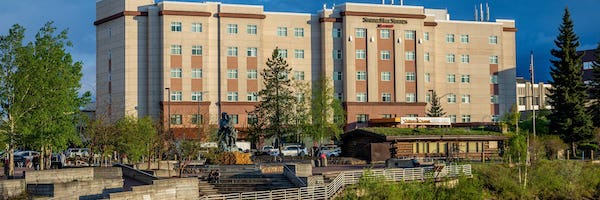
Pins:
<point x="169" y="110"/>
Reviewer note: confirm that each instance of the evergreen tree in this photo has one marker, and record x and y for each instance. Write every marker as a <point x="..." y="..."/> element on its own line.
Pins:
<point x="436" y="109"/>
<point x="569" y="118"/>
<point x="595" y="89"/>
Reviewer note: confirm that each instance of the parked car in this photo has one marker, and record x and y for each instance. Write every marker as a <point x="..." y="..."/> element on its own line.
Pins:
<point x="330" y="150"/>
<point x="77" y="152"/>
<point x="22" y="156"/>
<point x="269" y="150"/>
<point x="294" y="150"/>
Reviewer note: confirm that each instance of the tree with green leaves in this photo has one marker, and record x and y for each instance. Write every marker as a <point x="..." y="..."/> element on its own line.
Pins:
<point x="568" y="93"/>
<point x="511" y="118"/>
<point x="328" y="115"/>
<point x="138" y="137"/>
<point x="436" y="109"/>
<point x="277" y="98"/>
<point x="595" y="89"/>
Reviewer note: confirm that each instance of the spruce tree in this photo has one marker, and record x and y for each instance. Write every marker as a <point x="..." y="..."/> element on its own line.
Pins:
<point x="569" y="118"/>
<point x="436" y="109"/>
<point x="595" y="89"/>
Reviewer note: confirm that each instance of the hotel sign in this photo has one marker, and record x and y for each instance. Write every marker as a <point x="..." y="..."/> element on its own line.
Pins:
<point x="425" y="121"/>
<point x="385" y="20"/>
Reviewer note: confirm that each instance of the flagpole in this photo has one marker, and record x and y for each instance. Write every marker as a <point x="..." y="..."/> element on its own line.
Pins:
<point x="533" y="93"/>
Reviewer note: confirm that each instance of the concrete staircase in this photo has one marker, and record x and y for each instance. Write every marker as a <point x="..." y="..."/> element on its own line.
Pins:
<point x="246" y="178"/>
<point x="206" y="188"/>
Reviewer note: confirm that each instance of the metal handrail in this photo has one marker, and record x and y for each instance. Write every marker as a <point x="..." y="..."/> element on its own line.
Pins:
<point x="287" y="172"/>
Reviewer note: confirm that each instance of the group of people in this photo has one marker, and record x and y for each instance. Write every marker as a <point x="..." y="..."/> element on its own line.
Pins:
<point x="214" y="176"/>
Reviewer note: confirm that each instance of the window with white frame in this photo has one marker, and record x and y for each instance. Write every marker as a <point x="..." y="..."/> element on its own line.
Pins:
<point x="409" y="34"/>
<point x="428" y="97"/>
<point x="495" y="118"/>
<point x="426" y="36"/>
<point x="176" y="73"/>
<point x="197" y="27"/>
<point x="361" y="97"/>
<point x="339" y="96"/>
<point x="386" y="97"/>
<point x="232" y="74"/>
<point x="176" y="119"/>
<point x="361" y="75"/>
<point x="464" y="38"/>
<point x="337" y="76"/>
<point x="384" y="34"/>
<point x="251" y="51"/>
<point x="386" y="76"/>
<point x="252" y="74"/>
<point x="175" y="26"/>
<point x="385" y="55"/>
<point x="409" y="55"/>
<point x="411" y="98"/>
<point x="451" y="78"/>
<point x="252" y="96"/>
<point x="494" y="79"/>
<point x="465" y="78"/>
<point x="386" y="116"/>
<point x="410" y="76"/>
<point x="449" y="38"/>
<point x="450" y="58"/>
<point x="251" y="29"/>
<point x="362" y="118"/>
<point x="427" y="77"/>
<point x="232" y="51"/>
<point x="234" y="119"/>
<point x="232" y="28"/>
<point x="283" y="53"/>
<point x="176" y="96"/>
<point x="175" y="49"/>
<point x="466" y="118"/>
<point x="232" y="96"/>
<point x="196" y="119"/>
<point x="493" y="39"/>
<point x="452" y="118"/>
<point x="361" y="54"/>
<point x="451" y="98"/>
<point x="298" y="32"/>
<point x="337" y="33"/>
<point x="360" y="33"/>
<point x="282" y="31"/>
<point x="196" y="96"/>
<point x="493" y="59"/>
<point x="196" y="50"/>
<point x="494" y="99"/>
<point x="426" y="56"/>
<point x="464" y="58"/>
<point x="299" y="53"/>
<point x="299" y="75"/>
<point x="337" y="54"/>
<point x="196" y="73"/>
<point x="466" y="98"/>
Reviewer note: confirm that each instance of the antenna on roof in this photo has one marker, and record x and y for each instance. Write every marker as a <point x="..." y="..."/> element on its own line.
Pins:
<point x="382" y="1"/>
<point x="476" y="11"/>
<point x="324" y="6"/>
<point x="487" y="6"/>
<point x="401" y="2"/>
<point x="481" y="12"/>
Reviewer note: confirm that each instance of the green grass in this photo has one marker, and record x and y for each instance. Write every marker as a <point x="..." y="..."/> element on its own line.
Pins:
<point x="429" y="131"/>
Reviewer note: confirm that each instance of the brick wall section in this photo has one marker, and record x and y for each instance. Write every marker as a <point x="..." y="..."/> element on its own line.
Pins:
<point x="180" y="188"/>
<point x="11" y="188"/>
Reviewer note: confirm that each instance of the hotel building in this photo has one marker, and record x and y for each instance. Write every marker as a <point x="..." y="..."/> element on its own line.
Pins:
<point x="188" y="58"/>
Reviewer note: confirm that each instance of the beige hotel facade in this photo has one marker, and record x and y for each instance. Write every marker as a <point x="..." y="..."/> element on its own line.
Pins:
<point x="383" y="60"/>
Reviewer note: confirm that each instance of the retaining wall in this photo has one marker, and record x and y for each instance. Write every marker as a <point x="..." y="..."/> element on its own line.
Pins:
<point x="176" y="188"/>
<point x="11" y="188"/>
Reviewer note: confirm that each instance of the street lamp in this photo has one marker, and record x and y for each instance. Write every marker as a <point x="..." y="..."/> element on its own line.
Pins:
<point x="169" y="110"/>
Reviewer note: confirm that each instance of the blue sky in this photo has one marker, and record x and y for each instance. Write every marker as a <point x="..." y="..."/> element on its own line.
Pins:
<point x="537" y="23"/>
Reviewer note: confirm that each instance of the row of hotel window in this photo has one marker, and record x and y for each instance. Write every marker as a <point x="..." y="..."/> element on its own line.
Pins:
<point x="364" y="118"/>
<point x="252" y="29"/>
<point x="197" y="73"/>
<point x="233" y="51"/>
<point x="410" y="76"/>
<point x="198" y="96"/>
<point x="177" y="119"/>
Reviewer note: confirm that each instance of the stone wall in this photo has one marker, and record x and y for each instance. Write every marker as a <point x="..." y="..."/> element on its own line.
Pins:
<point x="176" y="188"/>
<point x="75" y="183"/>
<point x="59" y="175"/>
<point x="11" y="188"/>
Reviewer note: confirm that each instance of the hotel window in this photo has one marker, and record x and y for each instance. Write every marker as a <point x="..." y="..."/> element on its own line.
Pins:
<point x="465" y="78"/>
<point x="298" y="32"/>
<point x="251" y="29"/>
<point x="522" y="101"/>
<point x="299" y="75"/>
<point x="384" y="34"/>
<point x="176" y="119"/>
<point x="449" y="38"/>
<point x="428" y="97"/>
<point x="386" y="116"/>
<point x="451" y="78"/>
<point x="493" y="59"/>
<point x="251" y="51"/>
<point x="337" y="54"/>
<point x="232" y="28"/>
<point x="466" y="98"/>
<point x="196" y="50"/>
<point x="337" y="33"/>
<point x="386" y="97"/>
<point x="234" y="119"/>
<point x="494" y="100"/>
<point x="495" y="118"/>
<point x="337" y="76"/>
<point x="386" y="76"/>
<point x="409" y="55"/>
<point x="385" y="55"/>
<point x="426" y="35"/>
<point x="361" y="76"/>
<point x="361" y="97"/>
<point x="196" y="73"/>
<point x="175" y="26"/>
<point x="409" y="34"/>
<point x="232" y="74"/>
<point x="452" y="118"/>
<point x="411" y="97"/>
<point x="427" y="77"/>
<point x="450" y="58"/>
<point x="282" y="31"/>
<point x="493" y="39"/>
<point x="426" y="55"/>
<point x="299" y="53"/>
<point x="451" y="98"/>
<point x="283" y="53"/>
<point x="252" y="119"/>
<point x="361" y="54"/>
<point x="196" y="119"/>
<point x="361" y="33"/>
<point x="412" y="115"/>
<point x="175" y="49"/>
<point x="339" y="96"/>
<point x="197" y="27"/>
<point x="494" y="79"/>
<point x="466" y="118"/>
<point x="232" y="51"/>
<point x="196" y="96"/>
<point x="252" y="96"/>
<point x="176" y="96"/>
<point x="175" y="72"/>
<point x="232" y="96"/>
<point x="464" y="58"/>
<point x="362" y="118"/>
<point x="252" y="74"/>
<point x="410" y="76"/>
<point x="464" y="38"/>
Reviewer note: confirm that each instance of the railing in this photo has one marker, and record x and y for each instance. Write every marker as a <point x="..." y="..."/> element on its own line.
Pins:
<point x="291" y="175"/>
<point x="344" y="178"/>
